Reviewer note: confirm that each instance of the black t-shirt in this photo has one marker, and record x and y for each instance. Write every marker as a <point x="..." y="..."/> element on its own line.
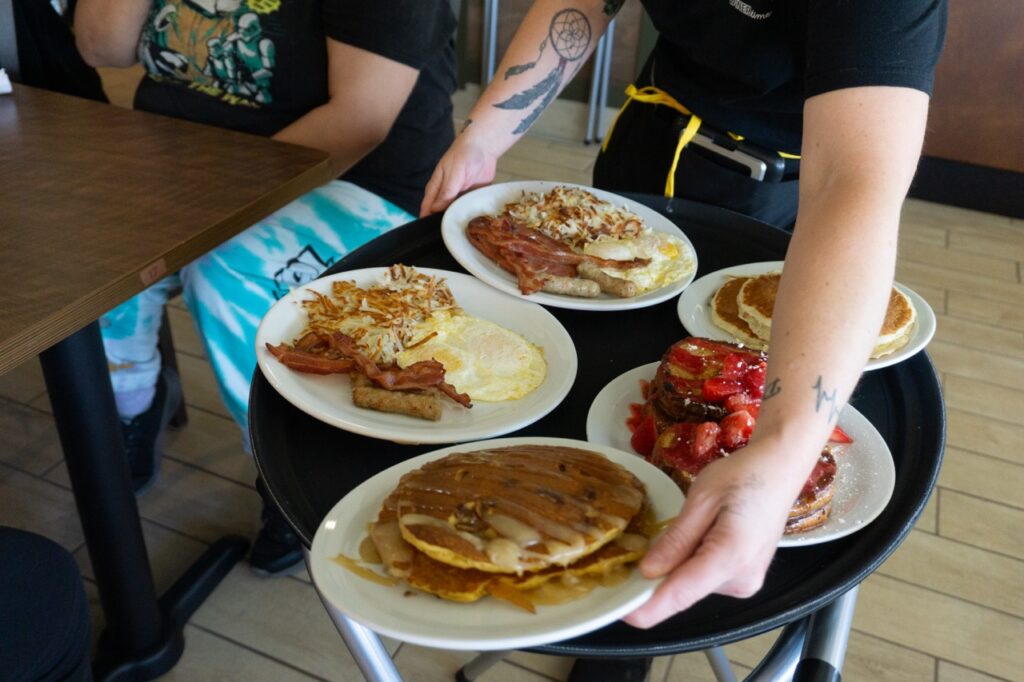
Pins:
<point x="747" y="66"/>
<point x="258" y="65"/>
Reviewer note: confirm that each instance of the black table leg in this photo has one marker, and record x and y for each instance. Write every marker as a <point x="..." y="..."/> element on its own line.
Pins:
<point x="143" y="636"/>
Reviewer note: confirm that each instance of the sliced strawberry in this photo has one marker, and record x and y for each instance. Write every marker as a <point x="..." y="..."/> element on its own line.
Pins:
<point x="692" y="364"/>
<point x="840" y="436"/>
<point x="644" y="436"/>
<point x="734" y="366"/>
<point x="672" y="449"/>
<point x="705" y="441"/>
<point x="735" y="430"/>
<point x="717" y="389"/>
<point x="739" y="401"/>
<point x="754" y="380"/>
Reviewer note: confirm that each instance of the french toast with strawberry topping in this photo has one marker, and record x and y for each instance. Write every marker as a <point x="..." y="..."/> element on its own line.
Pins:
<point x="702" y="405"/>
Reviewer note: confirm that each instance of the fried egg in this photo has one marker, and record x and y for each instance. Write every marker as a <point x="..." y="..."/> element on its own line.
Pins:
<point x="480" y="358"/>
<point x="669" y="258"/>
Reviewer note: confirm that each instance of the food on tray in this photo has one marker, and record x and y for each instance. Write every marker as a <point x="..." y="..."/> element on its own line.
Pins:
<point x="527" y="524"/>
<point x="701" y="405"/>
<point x="406" y="342"/>
<point x="569" y="242"/>
<point x="743" y="306"/>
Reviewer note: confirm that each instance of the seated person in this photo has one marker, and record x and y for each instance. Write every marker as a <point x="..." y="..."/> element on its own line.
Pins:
<point x="372" y="87"/>
<point x="44" y="613"/>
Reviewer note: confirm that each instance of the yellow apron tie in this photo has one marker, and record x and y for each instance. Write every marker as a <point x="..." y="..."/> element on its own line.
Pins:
<point x="652" y="95"/>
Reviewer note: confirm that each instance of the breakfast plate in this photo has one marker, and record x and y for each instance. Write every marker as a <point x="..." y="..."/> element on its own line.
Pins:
<point x="492" y="199"/>
<point x="694" y="311"/>
<point x="329" y="397"/>
<point x="865" y="478"/>
<point x="488" y="624"/>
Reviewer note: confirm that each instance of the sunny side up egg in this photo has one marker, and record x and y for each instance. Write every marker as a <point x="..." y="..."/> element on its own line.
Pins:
<point x="480" y="358"/>
<point x="669" y="261"/>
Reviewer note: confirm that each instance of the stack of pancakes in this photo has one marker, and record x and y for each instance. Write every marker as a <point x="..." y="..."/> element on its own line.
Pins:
<point x="506" y="520"/>
<point x="743" y="306"/>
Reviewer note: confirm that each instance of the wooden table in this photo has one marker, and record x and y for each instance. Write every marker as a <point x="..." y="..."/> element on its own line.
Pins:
<point x="96" y="203"/>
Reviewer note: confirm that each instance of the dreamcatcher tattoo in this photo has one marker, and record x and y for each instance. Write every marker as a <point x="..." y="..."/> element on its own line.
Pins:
<point x="569" y="37"/>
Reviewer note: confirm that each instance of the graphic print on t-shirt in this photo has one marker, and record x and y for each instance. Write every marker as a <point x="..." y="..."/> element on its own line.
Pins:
<point x="219" y="47"/>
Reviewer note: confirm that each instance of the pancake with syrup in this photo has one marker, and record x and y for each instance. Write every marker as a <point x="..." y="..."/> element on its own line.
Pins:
<point x="898" y="326"/>
<point x="725" y="313"/>
<point x="533" y="506"/>
<point x="516" y="509"/>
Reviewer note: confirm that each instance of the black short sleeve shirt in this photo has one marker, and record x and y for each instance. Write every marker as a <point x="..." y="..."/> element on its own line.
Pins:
<point x="747" y="66"/>
<point x="258" y="65"/>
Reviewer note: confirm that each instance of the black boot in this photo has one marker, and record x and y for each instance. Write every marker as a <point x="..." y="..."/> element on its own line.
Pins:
<point x="277" y="549"/>
<point x="143" y="434"/>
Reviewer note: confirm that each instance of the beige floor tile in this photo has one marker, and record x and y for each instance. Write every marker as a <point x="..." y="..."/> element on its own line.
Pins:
<point x="981" y="523"/>
<point x="959" y="570"/>
<point x="200" y="386"/>
<point x="30" y="440"/>
<point x="983" y="476"/>
<point x="209" y="658"/>
<point x="34" y="504"/>
<point x="983" y="398"/>
<point x="938" y="625"/>
<point x="953" y="217"/>
<point x="540" y="170"/>
<point x="569" y="157"/>
<point x="967" y="334"/>
<point x="555" y="667"/>
<point x="977" y="364"/>
<point x="951" y="672"/>
<point x="183" y="331"/>
<point x="1007" y="315"/>
<point x="979" y="433"/>
<point x="213" y="443"/>
<point x="422" y="664"/>
<point x="23" y="383"/>
<point x="938" y="256"/>
<point x="912" y="229"/>
<point x="911" y="274"/>
<point x="870" y="659"/>
<point x="281" y="618"/>
<point x="201" y="505"/>
<point x="1008" y="243"/>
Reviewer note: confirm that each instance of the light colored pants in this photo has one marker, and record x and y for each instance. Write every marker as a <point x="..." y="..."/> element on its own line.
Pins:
<point x="230" y="288"/>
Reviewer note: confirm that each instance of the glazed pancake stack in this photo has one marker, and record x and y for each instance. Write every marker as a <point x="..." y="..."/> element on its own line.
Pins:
<point x="743" y="306"/>
<point x="507" y="520"/>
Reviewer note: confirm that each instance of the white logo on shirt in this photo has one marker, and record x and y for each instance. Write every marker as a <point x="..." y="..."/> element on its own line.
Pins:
<point x="746" y="10"/>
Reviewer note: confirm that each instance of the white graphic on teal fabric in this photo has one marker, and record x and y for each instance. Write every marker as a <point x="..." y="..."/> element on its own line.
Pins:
<point x="219" y="47"/>
<point x="300" y="270"/>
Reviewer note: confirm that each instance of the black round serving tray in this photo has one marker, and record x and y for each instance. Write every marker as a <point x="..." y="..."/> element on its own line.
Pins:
<point x="308" y="466"/>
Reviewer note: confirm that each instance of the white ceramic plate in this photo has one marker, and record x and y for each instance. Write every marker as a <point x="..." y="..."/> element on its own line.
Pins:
<point x="694" y="310"/>
<point x="493" y="198"/>
<point x="486" y="624"/>
<point x="329" y="398"/>
<point x="865" y="478"/>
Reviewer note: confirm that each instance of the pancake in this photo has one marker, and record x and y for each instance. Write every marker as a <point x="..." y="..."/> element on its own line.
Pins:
<point x="725" y="313"/>
<point x="756" y="302"/>
<point x="516" y="509"/>
<point x="898" y="325"/>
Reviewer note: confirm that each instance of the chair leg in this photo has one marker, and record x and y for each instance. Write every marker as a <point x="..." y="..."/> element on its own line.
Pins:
<point x="169" y="359"/>
<point x="479" y="665"/>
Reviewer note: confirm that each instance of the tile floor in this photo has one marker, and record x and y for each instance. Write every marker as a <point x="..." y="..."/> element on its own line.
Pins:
<point x="947" y="606"/>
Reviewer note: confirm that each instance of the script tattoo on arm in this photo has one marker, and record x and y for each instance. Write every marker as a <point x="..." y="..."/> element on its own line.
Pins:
<point x="773" y="388"/>
<point x="465" y="125"/>
<point x="569" y="36"/>
<point x="825" y="398"/>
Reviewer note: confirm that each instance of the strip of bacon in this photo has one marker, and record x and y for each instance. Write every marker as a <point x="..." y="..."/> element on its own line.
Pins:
<point x="529" y="254"/>
<point x="419" y="375"/>
<point x="309" y="362"/>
